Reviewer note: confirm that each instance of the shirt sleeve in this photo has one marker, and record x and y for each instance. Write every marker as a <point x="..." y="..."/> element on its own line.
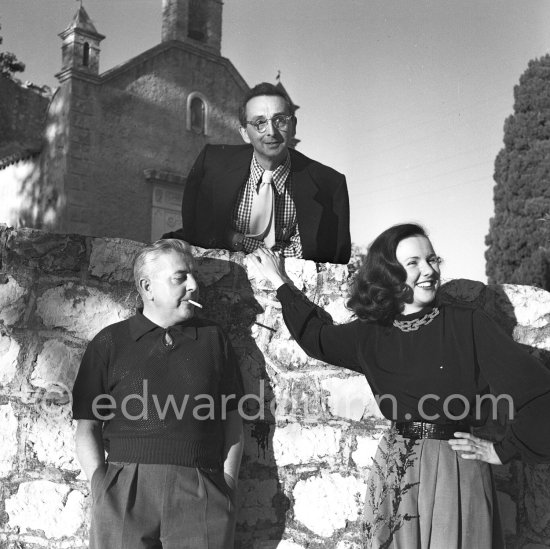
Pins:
<point x="512" y="371"/>
<point x="90" y="382"/>
<point x="314" y="331"/>
<point x="292" y="248"/>
<point x="251" y="244"/>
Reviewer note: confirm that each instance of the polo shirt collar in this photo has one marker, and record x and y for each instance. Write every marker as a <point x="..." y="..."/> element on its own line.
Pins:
<point x="280" y="174"/>
<point x="141" y="325"/>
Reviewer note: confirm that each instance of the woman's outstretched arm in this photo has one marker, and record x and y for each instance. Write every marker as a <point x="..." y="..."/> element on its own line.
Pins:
<point x="310" y="326"/>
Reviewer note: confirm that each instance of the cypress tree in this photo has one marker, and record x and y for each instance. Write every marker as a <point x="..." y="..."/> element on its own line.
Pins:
<point x="519" y="231"/>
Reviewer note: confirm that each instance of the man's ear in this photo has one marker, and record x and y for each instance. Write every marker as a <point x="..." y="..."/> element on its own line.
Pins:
<point x="294" y="123"/>
<point x="244" y="134"/>
<point x="145" y="289"/>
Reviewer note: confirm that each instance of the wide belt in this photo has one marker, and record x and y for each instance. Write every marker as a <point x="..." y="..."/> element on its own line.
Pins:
<point x="423" y="429"/>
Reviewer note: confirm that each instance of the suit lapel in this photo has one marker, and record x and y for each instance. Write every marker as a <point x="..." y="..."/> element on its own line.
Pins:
<point x="229" y="181"/>
<point x="308" y="208"/>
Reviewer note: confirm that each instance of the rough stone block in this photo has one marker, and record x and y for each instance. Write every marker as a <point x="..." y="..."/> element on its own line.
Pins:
<point x="51" y="438"/>
<point x="56" y="365"/>
<point x="9" y="352"/>
<point x="537" y="497"/>
<point x="531" y="305"/>
<point x="113" y="258"/>
<point x="299" y="398"/>
<point x="303" y="273"/>
<point x="212" y="265"/>
<point x="46" y="251"/>
<point x="508" y="512"/>
<point x="258" y="442"/>
<point x="284" y="350"/>
<point x="338" y="311"/>
<point x="43" y="505"/>
<point x="12" y="303"/>
<point x="345" y="544"/>
<point x="256" y="501"/>
<point x="83" y="311"/>
<point x="273" y="544"/>
<point x="350" y="397"/>
<point x="327" y="502"/>
<point x="8" y="436"/>
<point x="366" y="450"/>
<point x="252" y="367"/>
<point x="297" y="444"/>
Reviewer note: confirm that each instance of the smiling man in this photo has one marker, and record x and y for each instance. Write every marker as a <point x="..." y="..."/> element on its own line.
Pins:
<point x="264" y="193"/>
<point x="172" y="461"/>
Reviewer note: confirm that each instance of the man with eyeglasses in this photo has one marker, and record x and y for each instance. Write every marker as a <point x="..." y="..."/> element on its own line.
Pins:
<point x="263" y="193"/>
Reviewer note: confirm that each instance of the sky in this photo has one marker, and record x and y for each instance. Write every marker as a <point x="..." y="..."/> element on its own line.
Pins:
<point x="407" y="98"/>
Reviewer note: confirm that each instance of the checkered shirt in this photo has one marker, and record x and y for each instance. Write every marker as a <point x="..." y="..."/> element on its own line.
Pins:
<point x="287" y="236"/>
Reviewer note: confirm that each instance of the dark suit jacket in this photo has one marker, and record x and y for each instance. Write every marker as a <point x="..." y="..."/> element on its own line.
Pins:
<point x="320" y="195"/>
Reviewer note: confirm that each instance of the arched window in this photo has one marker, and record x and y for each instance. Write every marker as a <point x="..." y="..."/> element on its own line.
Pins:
<point x="86" y="54"/>
<point x="197" y="113"/>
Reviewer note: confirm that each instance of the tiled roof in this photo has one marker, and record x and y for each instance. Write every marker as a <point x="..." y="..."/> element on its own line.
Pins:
<point x="83" y="22"/>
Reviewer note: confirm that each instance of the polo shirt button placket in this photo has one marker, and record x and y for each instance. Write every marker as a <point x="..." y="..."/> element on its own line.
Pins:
<point x="168" y="340"/>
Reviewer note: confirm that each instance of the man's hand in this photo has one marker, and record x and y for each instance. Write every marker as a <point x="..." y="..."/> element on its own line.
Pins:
<point x="471" y="447"/>
<point x="235" y="241"/>
<point x="233" y="448"/>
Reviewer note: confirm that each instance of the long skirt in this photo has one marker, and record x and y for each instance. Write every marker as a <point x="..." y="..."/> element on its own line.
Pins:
<point x="422" y="495"/>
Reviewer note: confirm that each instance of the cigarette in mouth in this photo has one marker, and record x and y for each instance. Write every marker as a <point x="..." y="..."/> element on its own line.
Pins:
<point x="194" y="303"/>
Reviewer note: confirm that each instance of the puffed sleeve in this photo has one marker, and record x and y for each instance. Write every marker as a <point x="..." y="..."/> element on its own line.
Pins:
<point x="510" y="370"/>
<point x="315" y="333"/>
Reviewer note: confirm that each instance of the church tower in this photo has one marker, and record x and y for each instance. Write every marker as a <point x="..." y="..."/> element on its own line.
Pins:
<point x="80" y="49"/>
<point x="197" y="22"/>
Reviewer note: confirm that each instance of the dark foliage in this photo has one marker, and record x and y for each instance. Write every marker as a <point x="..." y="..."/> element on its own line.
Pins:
<point x="9" y="64"/>
<point x="518" y="233"/>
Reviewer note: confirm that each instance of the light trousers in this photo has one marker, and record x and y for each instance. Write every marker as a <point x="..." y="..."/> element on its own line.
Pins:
<point x="142" y="506"/>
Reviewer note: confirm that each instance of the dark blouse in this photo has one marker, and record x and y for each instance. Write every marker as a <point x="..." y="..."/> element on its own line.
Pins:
<point x="448" y="370"/>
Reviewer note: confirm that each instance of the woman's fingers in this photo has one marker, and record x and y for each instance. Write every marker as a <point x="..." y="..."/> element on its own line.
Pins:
<point x="270" y="265"/>
<point x="471" y="447"/>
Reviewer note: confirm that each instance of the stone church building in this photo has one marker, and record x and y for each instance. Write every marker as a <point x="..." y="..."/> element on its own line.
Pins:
<point x="108" y="154"/>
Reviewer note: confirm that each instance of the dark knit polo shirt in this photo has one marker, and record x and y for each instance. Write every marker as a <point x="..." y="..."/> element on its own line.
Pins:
<point x="461" y="355"/>
<point x="167" y="390"/>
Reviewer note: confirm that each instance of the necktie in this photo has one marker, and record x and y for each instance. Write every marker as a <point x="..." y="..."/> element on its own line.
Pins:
<point x="262" y="214"/>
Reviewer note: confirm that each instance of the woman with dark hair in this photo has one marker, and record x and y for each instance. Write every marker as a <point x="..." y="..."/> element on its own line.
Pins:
<point x="434" y="370"/>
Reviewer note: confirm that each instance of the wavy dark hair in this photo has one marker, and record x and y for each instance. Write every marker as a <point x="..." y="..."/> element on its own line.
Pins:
<point x="378" y="291"/>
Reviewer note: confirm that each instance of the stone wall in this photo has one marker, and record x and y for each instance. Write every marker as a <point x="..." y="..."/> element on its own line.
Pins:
<point x="312" y="430"/>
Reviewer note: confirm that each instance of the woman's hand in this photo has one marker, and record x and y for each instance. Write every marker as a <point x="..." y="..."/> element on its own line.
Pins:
<point x="471" y="447"/>
<point x="270" y="265"/>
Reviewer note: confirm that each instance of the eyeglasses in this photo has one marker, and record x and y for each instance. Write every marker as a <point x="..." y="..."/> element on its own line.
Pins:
<point x="279" y="121"/>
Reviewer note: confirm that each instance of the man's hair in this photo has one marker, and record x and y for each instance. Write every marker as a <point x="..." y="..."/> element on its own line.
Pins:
<point x="151" y="252"/>
<point x="264" y="88"/>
